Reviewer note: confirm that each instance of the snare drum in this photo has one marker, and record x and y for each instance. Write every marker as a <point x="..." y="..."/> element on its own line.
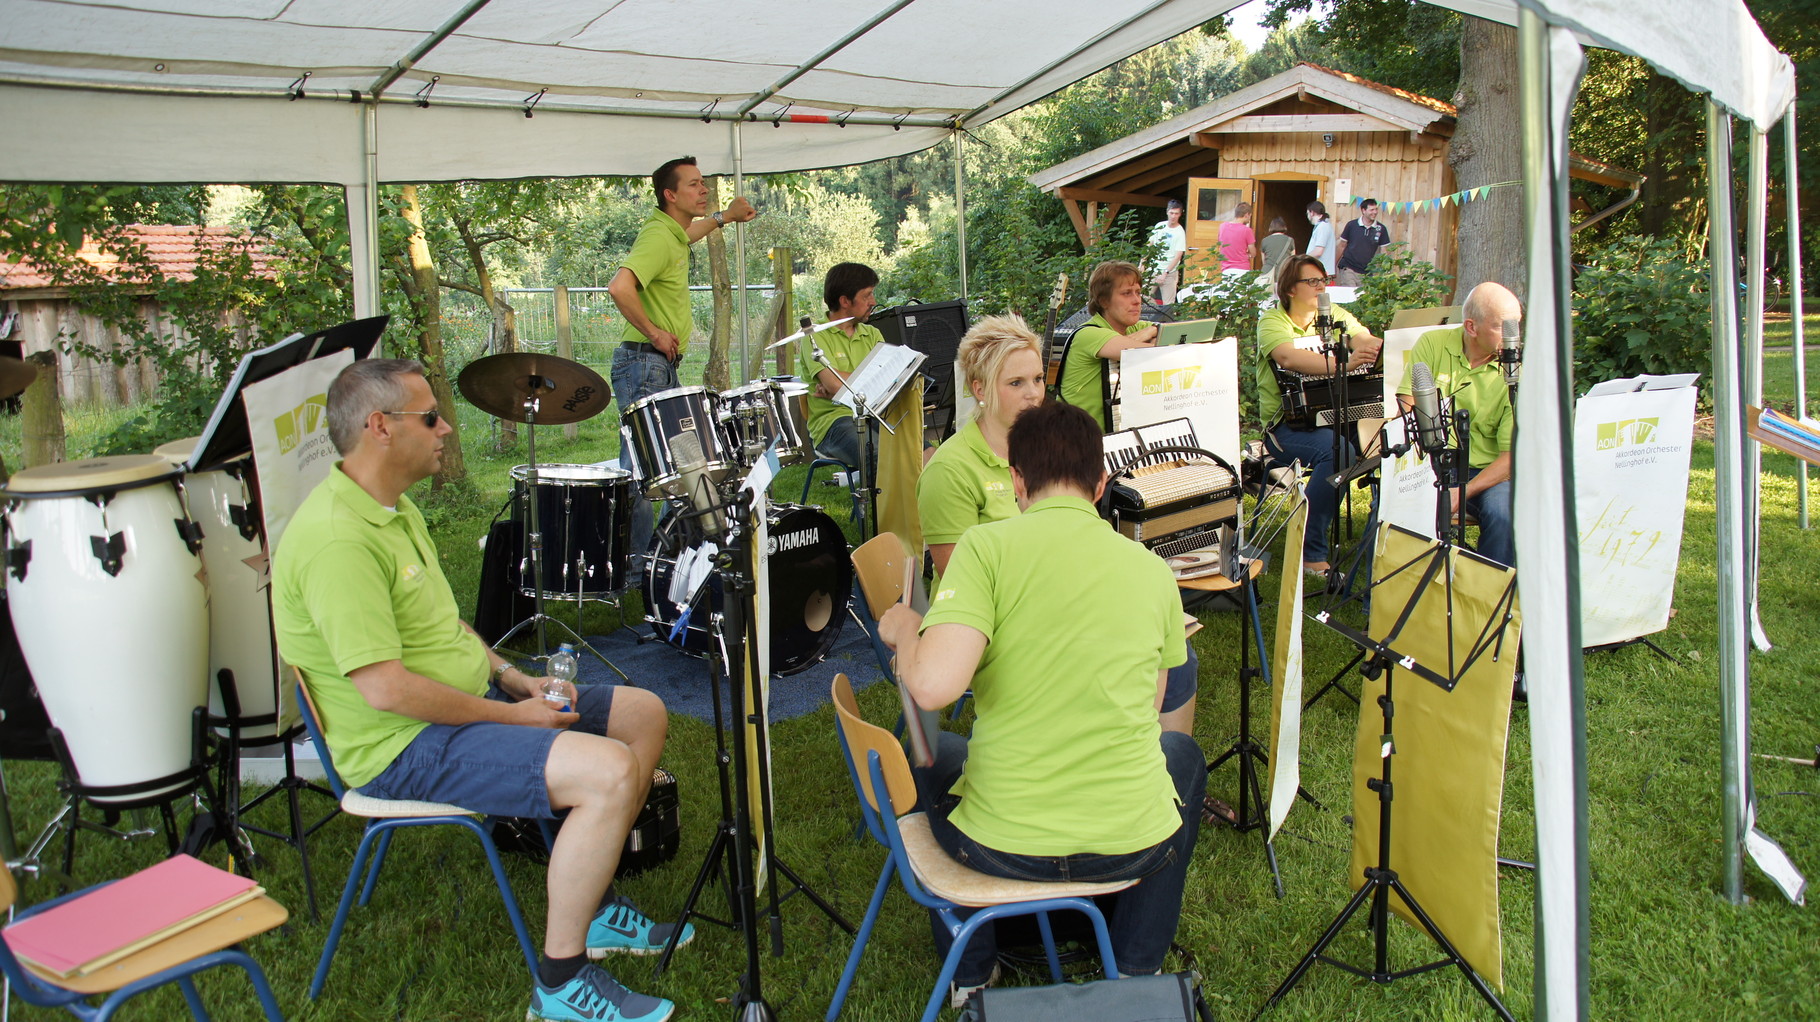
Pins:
<point x="106" y="591"/>
<point x="240" y="611"/>
<point x="672" y="431"/>
<point x="810" y="581"/>
<point x="769" y="411"/>
<point x="585" y="515"/>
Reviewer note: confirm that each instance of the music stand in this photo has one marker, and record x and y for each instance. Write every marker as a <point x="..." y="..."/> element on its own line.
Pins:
<point x="868" y="389"/>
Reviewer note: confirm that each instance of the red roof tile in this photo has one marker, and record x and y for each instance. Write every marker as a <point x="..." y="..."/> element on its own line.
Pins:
<point x="173" y="250"/>
<point x="1414" y="97"/>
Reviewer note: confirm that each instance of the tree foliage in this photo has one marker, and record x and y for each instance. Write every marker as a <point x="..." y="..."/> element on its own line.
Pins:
<point x="1401" y="43"/>
<point x="1640" y="306"/>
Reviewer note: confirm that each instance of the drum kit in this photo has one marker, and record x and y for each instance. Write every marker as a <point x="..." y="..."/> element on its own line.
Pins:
<point x="688" y="446"/>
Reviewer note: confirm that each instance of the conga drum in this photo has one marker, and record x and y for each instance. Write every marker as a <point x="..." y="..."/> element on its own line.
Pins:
<point x="107" y="596"/>
<point x="240" y="615"/>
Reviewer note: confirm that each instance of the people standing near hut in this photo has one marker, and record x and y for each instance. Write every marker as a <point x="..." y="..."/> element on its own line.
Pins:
<point x="1320" y="243"/>
<point x="1238" y="242"/>
<point x="1360" y="240"/>
<point x="1173" y="237"/>
<point x="1276" y="247"/>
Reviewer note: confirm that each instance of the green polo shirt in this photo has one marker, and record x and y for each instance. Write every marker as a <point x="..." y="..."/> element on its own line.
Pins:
<point x="1064" y="756"/>
<point x="1275" y="328"/>
<point x="1081" y="374"/>
<point x="963" y="485"/>
<point x="1480" y="391"/>
<point x="843" y="353"/>
<point x="660" y="260"/>
<point x="355" y="584"/>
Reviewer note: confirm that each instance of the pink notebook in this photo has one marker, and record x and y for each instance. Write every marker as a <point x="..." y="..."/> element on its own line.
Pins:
<point x="160" y="898"/>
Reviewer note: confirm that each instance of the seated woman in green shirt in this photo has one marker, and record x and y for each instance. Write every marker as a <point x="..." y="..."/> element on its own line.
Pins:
<point x="1115" y="297"/>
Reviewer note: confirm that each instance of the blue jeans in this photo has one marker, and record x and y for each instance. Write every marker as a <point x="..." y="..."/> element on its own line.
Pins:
<point x="1497" y="535"/>
<point x="842" y="443"/>
<point x="1183" y="682"/>
<point x="636" y="375"/>
<point x="1314" y="449"/>
<point x="1142" y="919"/>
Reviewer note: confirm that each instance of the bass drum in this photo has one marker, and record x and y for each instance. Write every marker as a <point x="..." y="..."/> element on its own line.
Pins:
<point x="810" y="582"/>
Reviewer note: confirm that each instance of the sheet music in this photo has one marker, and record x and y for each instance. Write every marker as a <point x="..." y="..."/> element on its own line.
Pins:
<point x="879" y="376"/>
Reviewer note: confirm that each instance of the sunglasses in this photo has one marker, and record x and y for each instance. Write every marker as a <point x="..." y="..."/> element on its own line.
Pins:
<point x="1316" y="281"/>
<point x="430" y="418"/>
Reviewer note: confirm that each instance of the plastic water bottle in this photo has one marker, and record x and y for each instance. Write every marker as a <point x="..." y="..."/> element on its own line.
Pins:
<point x="563" y="668"/>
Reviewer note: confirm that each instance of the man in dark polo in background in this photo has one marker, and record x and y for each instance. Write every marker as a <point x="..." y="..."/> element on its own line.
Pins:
<point x="415" y="706"/>
<point x="651" y="290"/>
<point x="1359" y="242"/>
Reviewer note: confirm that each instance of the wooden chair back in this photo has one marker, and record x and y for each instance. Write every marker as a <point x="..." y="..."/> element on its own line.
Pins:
<point x="861" y="737"/>
<point x="880" y="564"/>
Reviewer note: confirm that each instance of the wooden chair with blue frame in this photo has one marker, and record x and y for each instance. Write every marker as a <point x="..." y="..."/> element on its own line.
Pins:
<point x="211" y="943"/>
<point x="384" y="817"/>
<point x="881" y="778"/>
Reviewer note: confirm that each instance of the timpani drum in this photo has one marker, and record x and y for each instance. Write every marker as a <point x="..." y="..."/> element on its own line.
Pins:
<point x="674" y="432"/>
<point x="106" y="589"/>
<point x="222" y="502"/>
<point x="585" y="515"/>
<point x="766" y="412"/>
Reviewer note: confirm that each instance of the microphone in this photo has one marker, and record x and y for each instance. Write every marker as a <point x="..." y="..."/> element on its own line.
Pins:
<point x="697" y="488"/>
<point x="1510" y="351"/>
<point x="1431" y="428"/>
<point x="1323" y="317"/>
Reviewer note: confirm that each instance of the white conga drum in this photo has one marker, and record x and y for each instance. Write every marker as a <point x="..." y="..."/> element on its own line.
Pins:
<point x="240" y="614"/>
<point x="107" y="598"/>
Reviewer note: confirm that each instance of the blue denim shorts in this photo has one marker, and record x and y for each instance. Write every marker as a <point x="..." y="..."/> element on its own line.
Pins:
<point x="1181" y="683"/>
<point x="496" y="769"/>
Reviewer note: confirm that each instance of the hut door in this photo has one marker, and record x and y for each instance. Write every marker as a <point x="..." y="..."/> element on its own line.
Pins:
<point x="1211" y="201"/>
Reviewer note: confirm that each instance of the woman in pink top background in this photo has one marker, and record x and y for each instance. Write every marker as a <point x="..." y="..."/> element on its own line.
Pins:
<point x="1238" y="244"/>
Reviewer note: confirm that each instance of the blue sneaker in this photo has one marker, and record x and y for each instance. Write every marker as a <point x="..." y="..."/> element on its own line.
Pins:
<point x="621" y="928"/>
<point x="593" y="996"/>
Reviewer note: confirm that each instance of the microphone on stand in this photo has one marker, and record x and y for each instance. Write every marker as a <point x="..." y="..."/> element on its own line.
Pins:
<point x="1510" y="351"/>
<point x="1431" y="428"/>
<point x="1323" y="317"/>
<point x="698" y="489"/>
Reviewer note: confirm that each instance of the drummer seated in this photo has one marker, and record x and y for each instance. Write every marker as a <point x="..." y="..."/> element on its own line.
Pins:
<point x="415" y="706"/>
<point x="848" y="293"/>
<point x="1068" y="775"/>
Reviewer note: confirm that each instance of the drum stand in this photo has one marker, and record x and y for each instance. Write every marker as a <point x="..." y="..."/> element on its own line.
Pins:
<point x="733" y="632"/>
<point x="534" y="538"/>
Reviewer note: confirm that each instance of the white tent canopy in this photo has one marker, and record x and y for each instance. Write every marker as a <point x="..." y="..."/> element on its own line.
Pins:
<point x="356" y="93"/>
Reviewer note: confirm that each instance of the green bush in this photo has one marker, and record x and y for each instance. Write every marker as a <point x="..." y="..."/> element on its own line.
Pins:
<point x="1398" y="281"/>
<point x="1639" y="307"/>
<point x="1233" y="300"/>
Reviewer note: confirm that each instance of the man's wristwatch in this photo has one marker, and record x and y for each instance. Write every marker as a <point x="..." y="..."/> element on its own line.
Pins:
<point x="720" y="217"/>
<point x="499" y="673"/>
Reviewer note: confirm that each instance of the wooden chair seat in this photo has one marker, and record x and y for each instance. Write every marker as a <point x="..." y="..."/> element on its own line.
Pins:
<point x="946" y="878"/>
<point x="367" y="807"/>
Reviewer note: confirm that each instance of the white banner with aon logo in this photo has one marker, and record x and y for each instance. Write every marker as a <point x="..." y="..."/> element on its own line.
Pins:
<point x="1199" y="381"/>
<point x="288" y="415"/>
<point x="1630" y="495"/>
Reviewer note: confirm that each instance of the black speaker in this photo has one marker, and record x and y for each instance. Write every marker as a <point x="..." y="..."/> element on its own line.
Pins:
<point x="935" y="330"/>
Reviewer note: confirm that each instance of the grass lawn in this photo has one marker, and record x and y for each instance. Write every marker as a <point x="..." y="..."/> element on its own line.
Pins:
<point x="434" y="945"/>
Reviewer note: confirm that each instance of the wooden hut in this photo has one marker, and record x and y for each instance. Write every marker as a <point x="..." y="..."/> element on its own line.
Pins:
<point x="38" y="313"/>
<point x="1310" y="133"/>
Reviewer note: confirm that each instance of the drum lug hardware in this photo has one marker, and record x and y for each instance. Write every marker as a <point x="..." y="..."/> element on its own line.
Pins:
<point x="242" y="517"/>
<point x="17" y="558"/>
<point x="110" y="551"/>
<point x="190" y="532"/>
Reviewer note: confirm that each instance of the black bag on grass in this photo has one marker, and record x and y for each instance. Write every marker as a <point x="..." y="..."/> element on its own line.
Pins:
<point x="1171" y="997"/>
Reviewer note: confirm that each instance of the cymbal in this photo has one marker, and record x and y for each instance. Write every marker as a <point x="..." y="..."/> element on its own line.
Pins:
<point x="15" y="376"/>
<point x="566" y="391"/>
<point x="816" y="329"/>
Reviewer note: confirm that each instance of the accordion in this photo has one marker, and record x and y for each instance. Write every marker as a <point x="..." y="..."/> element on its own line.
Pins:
<point x="1175" y="506"/>
<point x="1312" y="401"/>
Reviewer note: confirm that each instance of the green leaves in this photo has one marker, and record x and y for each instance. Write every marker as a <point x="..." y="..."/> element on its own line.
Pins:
<point x="1640" y="307"/>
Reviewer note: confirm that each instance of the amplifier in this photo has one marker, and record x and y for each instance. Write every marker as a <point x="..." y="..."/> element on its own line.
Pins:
<point x="935" y="330"/>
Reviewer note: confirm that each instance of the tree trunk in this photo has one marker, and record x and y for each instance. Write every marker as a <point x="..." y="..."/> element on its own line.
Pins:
<point x="718" y="376"/>
<point x="41" y="413"/>
<point x="426" y="295"/>
<point x="783" y="261"/>
<point x="505" y="319"/>
<point x="1488" y="150"/>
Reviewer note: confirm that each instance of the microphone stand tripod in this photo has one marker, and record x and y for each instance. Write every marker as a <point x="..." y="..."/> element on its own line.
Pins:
<point x="865" y="494"/>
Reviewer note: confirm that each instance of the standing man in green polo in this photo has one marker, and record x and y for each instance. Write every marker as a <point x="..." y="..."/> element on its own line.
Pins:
<point x="651" y="290"/>
<point x="847" y="290"/>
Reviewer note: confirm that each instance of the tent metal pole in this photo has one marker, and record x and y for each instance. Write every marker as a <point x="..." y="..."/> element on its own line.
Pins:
<point x="739" y="249"/>
<point x="363" y="217"/>
<point x="1791" y="148"/>
<point x="960" y="208"/>
<point x="1728" y="484"/>
<point x="1549" y="566"/>
<point x="422" y="49"/>
<point x="1756" y="275"/>
<point x="830" y="50"/>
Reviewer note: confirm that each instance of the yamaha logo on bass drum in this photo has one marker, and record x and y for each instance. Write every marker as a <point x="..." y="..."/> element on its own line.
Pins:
<point x="792" y="541"/>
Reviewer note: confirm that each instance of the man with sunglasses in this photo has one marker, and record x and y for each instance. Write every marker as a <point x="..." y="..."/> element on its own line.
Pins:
<point x="415" y="706"/>
<point x="651" y="290"/>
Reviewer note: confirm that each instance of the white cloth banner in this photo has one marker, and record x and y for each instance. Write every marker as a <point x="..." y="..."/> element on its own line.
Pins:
<point x="1406" y="494"/>
<point x="1286" y="661"/>
<point x="1196" y="381"/>
<point x="288" y="417"/>
<point x="1630" y="492"/>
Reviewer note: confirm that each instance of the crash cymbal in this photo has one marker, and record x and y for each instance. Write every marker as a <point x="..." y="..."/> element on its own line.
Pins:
<point x="566" y="391"/>
<point x="806" y="331"/>
<point x="15" y="376"/>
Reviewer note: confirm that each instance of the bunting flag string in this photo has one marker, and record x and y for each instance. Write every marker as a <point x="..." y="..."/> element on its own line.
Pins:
<point x="1459" y="198"/>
